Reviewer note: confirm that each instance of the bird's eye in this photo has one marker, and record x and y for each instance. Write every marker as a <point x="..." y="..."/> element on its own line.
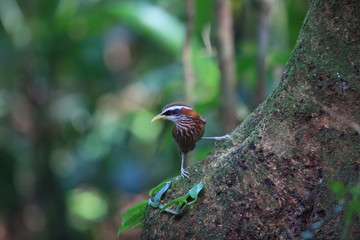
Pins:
<point x="168" y="113"/>
<point x="172" y="112"/>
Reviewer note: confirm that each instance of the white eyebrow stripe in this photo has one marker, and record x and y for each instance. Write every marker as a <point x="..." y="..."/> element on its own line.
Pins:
<point x="176" y="107"/>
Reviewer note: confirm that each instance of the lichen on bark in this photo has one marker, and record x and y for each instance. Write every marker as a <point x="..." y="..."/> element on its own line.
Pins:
<point x="271" y="180"/>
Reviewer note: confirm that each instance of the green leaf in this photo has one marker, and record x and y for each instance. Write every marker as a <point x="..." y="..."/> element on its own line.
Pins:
<point x="158" y="187"/>
<point x="170" y="210"/>
<point x="355" y="191"/>
<point x="159" y="194"/>
<point x="133" y="217"/>
<point x="354" y="206"/>
<point x="181" y="201"/>
<point x="152" y="21"/>
<point x="152" y="203"/>
<point x="194" y="191"/>
<point x="135" y="210"/>
<point x="338" y="188"/>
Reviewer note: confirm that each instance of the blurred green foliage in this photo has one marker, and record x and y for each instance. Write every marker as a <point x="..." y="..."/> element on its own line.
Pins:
<point x="349" y="199"/>
<point x="348" y="206"/>
<point x="80" y="81"/>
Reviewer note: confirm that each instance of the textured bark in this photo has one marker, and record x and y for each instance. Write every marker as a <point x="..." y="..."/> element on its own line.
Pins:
<point x="271" y="181"/>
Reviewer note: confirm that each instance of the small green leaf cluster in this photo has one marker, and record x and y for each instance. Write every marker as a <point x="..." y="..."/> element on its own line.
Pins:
<point x="134" y="217"/>
<point x="183" y="202"/>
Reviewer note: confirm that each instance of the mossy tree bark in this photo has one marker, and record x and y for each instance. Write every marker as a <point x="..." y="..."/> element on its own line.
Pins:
<point x="271" y="181"/>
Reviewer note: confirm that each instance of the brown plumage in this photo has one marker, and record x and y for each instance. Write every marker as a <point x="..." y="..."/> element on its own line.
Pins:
<point x="189" y="128"/>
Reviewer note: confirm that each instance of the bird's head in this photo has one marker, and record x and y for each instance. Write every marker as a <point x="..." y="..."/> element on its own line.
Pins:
<point x="178" y="112"/>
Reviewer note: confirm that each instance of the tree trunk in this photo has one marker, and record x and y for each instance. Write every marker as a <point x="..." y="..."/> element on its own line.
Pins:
<point x="271" y="181"/>
<point x="225" y="41"/>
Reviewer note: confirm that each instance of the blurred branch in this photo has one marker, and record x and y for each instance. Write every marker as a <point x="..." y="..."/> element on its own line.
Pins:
<point x="206" y="39"/>
<point x="263" y="39"/>
<point x="226" y="64"/>
<point x="187" y="52"/>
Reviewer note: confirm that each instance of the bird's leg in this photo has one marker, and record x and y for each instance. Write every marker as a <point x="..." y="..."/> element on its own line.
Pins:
<point x="183" y="172"/>
<point x="227" y="136"/>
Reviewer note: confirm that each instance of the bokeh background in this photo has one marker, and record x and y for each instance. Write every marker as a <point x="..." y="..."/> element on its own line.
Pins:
<point x="80" y="81"/>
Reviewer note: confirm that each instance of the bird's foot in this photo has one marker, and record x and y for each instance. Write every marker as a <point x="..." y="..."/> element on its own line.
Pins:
<point x="227" y="136"/>
<point x="184" y="173"/>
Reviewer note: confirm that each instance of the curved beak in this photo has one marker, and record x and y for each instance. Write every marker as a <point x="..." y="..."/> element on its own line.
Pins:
<point x="157" y="117"/>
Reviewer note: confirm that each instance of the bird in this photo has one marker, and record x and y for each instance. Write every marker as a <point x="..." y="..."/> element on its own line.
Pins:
<point x="188" y="129"/>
